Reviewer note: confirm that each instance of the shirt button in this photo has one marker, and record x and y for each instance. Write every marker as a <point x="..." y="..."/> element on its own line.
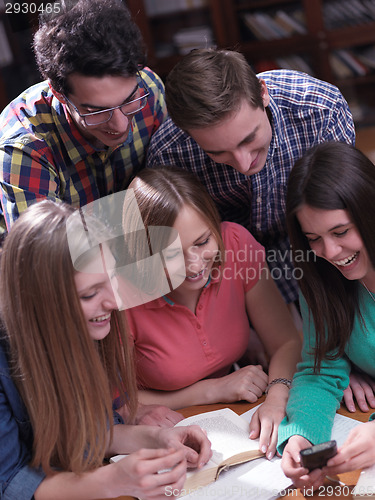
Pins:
<point x="199" y="327"/>
<point x="258" y="226"/>
<point x="204" y="342"/>
<point x="259" y="199"/>
<point x="200" y="307"/>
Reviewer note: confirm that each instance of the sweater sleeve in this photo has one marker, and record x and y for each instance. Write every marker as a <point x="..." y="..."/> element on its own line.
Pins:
<point x="314" y="398"/>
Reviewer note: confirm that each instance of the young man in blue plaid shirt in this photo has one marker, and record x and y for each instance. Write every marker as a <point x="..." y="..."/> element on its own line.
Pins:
<point x="241" y="134"/>
<point x="83" y="132"/>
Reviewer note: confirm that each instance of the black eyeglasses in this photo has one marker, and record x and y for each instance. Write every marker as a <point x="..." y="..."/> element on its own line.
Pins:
<point x="104" y="115"/>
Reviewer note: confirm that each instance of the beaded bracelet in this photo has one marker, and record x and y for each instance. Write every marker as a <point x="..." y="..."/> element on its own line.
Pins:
<point x="285" y="381"/>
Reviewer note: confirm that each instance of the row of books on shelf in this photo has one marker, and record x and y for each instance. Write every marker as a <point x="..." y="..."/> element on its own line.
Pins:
<point x="345" y="63"/>
<point x="280" y="24"/>
<point x="355" y="62"/>
<point x="341" y="13"/>
<point x="186" y="39"/>
<point x="155" y="7"/>
<point x="293" y="61"/>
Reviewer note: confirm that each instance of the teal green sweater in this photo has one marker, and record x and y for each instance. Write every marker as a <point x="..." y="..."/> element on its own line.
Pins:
<point x="314" y="398"/>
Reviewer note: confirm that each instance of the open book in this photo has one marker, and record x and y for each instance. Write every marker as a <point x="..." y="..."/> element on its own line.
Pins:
<point x="256" y="479"/>
<point x="229" y="436"/>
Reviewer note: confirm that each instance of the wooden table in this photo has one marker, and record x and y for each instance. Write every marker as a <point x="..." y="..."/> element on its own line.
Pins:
<point x="329" y="490"/>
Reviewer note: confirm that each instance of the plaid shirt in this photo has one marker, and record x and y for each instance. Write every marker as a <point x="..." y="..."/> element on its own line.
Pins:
<point x="304" y="111"/>
<point x="43" y="154"/>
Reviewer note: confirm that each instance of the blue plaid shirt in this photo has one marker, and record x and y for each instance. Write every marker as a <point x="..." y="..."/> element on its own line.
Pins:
<point x="304" y="111"/>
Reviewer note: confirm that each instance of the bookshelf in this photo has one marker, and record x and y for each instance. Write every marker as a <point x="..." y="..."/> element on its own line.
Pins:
<point x="334" y="40"/>
<point x="18" y="68"/>
<point x="172" y="28"/>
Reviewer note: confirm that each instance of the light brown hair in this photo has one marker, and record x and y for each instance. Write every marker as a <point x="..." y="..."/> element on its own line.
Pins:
<point x="162" y="192"/>
<point x="207" y="85"/>
<point x="65" y="379"/>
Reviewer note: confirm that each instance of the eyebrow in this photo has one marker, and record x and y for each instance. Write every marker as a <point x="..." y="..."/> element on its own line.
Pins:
<point x="249" y="138"/>
<point x="87" y="105"/>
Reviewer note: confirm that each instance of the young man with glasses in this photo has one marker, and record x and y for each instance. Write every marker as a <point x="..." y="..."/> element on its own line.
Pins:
<point x="83" y="132"/>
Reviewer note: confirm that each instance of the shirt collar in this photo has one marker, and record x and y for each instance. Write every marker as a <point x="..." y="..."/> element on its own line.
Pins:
<point x="277" y="124"/>
<point x="171" y="303"/>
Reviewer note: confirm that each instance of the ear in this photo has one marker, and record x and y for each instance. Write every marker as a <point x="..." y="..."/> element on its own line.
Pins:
<point x="60" y="97"/>
<point x="265" y="94"/>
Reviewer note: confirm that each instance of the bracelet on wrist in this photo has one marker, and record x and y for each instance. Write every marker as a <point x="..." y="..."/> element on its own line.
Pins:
<point x="285" y="381"/>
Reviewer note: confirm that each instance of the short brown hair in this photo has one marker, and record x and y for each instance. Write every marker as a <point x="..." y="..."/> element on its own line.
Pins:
<point x="208" y="85"/>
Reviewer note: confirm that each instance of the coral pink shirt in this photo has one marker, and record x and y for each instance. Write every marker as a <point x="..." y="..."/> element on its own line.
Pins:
<point x="174" y="347"/>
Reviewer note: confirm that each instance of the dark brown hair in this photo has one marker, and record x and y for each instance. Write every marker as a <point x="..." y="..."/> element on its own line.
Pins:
<point x="331" y="176"/>
<point x="90" y="37"/>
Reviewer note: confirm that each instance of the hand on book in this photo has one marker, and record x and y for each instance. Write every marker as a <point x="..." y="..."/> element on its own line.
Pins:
<point x="358" y="451"/>
<point x="192" y="439"/>
<point x="264" y="425"/>
<point x="291" y="465"/>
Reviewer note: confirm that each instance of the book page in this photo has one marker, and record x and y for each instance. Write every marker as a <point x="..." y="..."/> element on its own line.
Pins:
<point x="262" y="479"/>
<point x="365" y="487"/>
<point x="227" y="431"/>
<point x="341" y="428"/>
<point x="259" y="480"/>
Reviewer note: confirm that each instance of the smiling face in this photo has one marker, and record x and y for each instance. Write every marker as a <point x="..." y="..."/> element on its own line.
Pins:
<point x="199" y="248"/>
<point x="90" y="94"/>
<point x="333" y="236"/>
<point x="241" y="141"/>
<point x="97" y="292"/>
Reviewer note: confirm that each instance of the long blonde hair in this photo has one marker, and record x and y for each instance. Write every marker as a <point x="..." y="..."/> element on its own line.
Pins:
<point x="65" y="379"/>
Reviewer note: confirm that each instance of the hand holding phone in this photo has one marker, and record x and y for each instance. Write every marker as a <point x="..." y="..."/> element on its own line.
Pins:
<point x="317" y="456"/>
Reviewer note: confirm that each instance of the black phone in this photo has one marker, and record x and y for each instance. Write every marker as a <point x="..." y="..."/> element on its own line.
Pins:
<point x="315" y="457"/>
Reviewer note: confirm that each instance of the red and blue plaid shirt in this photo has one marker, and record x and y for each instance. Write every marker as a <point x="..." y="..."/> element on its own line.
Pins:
<point x="43" y="154"/>
<point x="303" y="112"/>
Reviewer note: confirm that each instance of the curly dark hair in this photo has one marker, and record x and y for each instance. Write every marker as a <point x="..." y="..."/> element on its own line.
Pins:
<point x="89" y="37"/>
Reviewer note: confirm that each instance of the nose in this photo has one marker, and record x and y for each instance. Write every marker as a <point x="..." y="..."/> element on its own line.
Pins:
<point x="241" y="160"/>
<point x="331" y="249"/>
<point x="119" y="121"/>
<point x="112" y="299"/>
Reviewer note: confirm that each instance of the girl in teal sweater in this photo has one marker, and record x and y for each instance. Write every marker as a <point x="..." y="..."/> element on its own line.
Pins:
<point x="331" y="210"/>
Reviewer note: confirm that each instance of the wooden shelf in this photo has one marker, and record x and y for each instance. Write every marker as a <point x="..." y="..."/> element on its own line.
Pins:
<point x="258" y="50"/>
<point x="224" y="17"/>
<point x="351" y="36"/>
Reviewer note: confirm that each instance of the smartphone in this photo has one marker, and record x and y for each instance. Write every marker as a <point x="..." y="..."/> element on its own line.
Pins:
<point x="315" y="457"/>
